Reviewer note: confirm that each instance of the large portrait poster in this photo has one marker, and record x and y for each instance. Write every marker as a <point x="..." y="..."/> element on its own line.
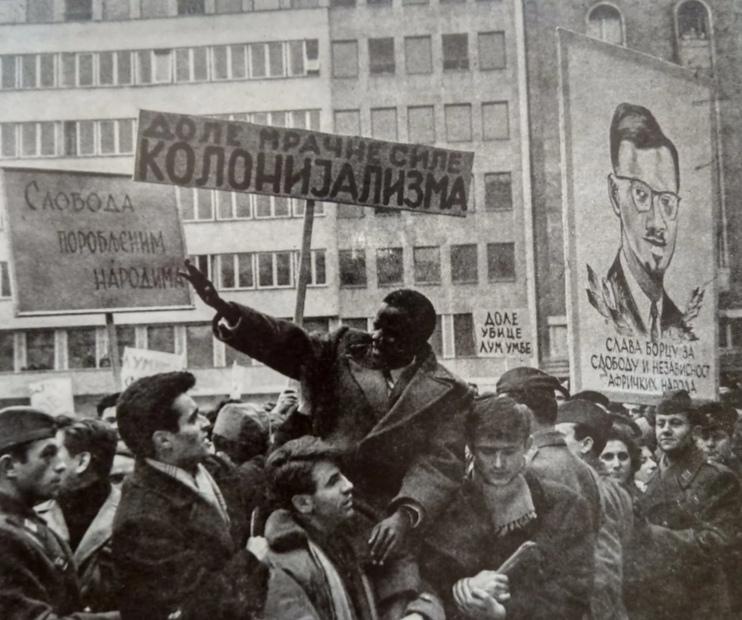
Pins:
<point x="639" y="208"/>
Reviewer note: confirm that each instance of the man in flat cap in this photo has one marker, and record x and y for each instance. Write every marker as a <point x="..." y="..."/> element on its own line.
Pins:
<point x="585" y="426"/>
<point x="715" y="437"/>
<point x="37" y="570"/>
<point x="382" y="396"/>
<point x="549" y="457"/>
<point x="689" y="522"/>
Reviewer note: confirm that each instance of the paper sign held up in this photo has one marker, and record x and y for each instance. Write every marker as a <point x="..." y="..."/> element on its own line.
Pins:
<point x="54" y="396"/>
<point x="138" y="363"/>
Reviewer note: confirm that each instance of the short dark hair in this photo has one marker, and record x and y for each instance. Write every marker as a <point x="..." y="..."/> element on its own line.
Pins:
<point x="109" y="400"/>
<point x="599" y="440"/>
<point x="632" y="447"/>
<point x="96" y="437"/>
<point x="419" y="308"/>
<point x="289" y="468"/>
<point x="636" y="124"/>
<point x="146" y="406"/>
<point x="498" y="416"/>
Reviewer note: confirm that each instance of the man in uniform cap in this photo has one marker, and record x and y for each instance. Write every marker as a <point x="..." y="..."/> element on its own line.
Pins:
<point x="37" y="571"/>
<point x="688" y="523"/>
<point x="585" y="426"/>
<point x="716" y="433"/>
<point x="549" y="457"/>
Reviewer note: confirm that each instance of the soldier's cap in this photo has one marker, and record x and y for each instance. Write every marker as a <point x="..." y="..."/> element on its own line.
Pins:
<point x="585" y="413"/>
<point x="19" y="425"/>
<point x="233" y="417"/>
<point x="525" y="378"/>
<point x="715" y="415"/>
<point x="593" y="397"/>
<point x="675" y="401"/>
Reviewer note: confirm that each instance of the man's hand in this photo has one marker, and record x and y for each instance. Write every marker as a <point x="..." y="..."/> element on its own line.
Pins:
<point x="472" y="594"/>
<point x="258" y="546"/>
<point x="286" y="401"/>
<point x="207" y="291"/>
<point x="491" y="582"/>
<point x="487" y="607"/>
<point x="388" y="535"/>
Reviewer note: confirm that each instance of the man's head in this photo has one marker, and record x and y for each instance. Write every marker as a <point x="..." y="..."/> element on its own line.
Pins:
<point x="305" y="479"/>
<point x="643" y="187"/>
<point x="585" y="427"/>
<point x="240" y="431"/>
<point x="106" y="408"/>
<point x="87" y="449"/>
<point x="498" y="433"/>
<point x="31" y="467"/>
<point x="403" y="324"/>
<point x="675" y="422"/>
<point x="715" y="436"/>
<point x="533" y="388"/>
<point x="158" y="419"/>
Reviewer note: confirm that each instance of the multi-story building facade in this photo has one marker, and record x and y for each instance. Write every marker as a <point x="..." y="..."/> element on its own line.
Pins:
<point x="73" y="74"/>
<point x="704" y="36"/>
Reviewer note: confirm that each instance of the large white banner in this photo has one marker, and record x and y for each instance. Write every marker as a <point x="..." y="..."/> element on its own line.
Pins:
<point x="640" y="201"/>
<point x="138" y="363"/>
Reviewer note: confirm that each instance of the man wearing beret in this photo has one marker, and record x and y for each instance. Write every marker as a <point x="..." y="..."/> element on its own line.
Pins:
<point x="37" y="570"/>
<point x="688" y="523"/>
<point x="383" y="397"/>
<point x="585" y="426"/>
<point x="549" y="457"/>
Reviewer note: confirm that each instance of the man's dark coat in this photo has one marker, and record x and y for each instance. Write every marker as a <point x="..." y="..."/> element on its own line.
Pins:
<point x="675" y="564"/>
<point x="553" y="583"/>
<point x="407" y="445"/>
<point x="174" y="554"/>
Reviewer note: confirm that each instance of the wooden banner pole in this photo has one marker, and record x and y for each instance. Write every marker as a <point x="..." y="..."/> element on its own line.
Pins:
<point x="305" y="263"/>
<point x="113" y="351"/>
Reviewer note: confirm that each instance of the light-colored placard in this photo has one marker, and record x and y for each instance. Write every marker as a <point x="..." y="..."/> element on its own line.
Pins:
<point x="503" y="332"/>
<point x="86" y="242"/>
<point x="640" y="199"/>
<point x="138" y="363"/>
<point x="198" y="151"/>
<point x="54" y="396"/>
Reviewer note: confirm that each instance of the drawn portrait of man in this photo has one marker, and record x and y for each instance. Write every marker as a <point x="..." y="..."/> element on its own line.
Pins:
<point x="644" y="193"/>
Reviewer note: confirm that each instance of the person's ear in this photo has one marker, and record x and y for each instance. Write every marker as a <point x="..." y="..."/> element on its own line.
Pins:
<point x="613" y="194"/>
<point x="303" y="503"/>
<point x="7" y="466"/>
<point x="586" y="444"/>
<point x="529" y="443"/>
<point x="83" y="462"/>
<point x="697" y="432"/>
<point x="162" y="442"/>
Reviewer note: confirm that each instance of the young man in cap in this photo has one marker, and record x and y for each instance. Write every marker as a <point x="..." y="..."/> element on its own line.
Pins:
<point x="37" y="570"/>
<point x="585" y="426"/>
<point x="178" y="538"/>
<point x="549" y="457"/>
<point x="688" y="525"/>
<point x="715" y="437"/>
<point x="312" y="538"/>
<point x="502" y="506"/>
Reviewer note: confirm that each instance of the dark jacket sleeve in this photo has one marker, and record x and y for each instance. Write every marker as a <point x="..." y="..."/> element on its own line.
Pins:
<point x="163" y="574"/>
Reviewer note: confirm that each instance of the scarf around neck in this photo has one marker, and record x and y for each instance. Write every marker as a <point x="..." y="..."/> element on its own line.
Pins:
<point x="510" y="506"/>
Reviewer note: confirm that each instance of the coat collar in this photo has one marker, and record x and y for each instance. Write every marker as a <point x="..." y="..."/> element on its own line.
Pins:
<point x="283" y="532"/>
<point x="679" y="475"/>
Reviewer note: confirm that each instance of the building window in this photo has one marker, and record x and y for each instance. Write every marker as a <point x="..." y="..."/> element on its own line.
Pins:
<point x="464" y="264"/>
<point x="233" y="206"/>
<point x="604" y="22"/>
<point x="384" y="123"/>
<point x="458" y="122"/>
<point x="81" y="352"/>
<point x="78" y="10"/>
<point x="427" y="264"/>
<point x="694" y="35"/>
<point x="421" y="124"/>
<point x="352" y="267"/>
<point x="8" y="65"/>
<point x="389" y="266"/>
<point x="455" y="52"/>
<point x="8" y="139"/>
<point x="161" y="338"/>
<point x="236" y="271"/>
<point x="361" y="324"/>
<point x="317" y="267"/>
<point x="126" y="336"/>
<point x="7" y="351"/>
<point x="495" y="121"/>
<point x="378" y="2"/>
<point x="501" y="261"/>
<point x="191" y="7"/>
<point x="228" y="6"/>
<point x="498" y="191"/>
<point x="334" y="3"/>
<point x="204" y="263"/>
<point x="418" y="55"/>
<point x="463" y="335"/>
<point x="275" y="270"/>
<point x="199" y="345"/>
<point x="348" y="122"/>
<point x="115" y="10"/>
<point x="4" y="280"/>
<point x="40" y="349"/>
<point x="381" y="56"/>
<point x="492" y="50"/>
<point x="39" y="11"/>
<point x="344" y="59"/>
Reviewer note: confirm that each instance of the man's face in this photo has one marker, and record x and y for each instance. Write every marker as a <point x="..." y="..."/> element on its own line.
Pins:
<point x="392" y="342"/>
<point x="190" y="444"/>
<point x="648" y="465"/>
<point x="40" y="477"/>
<point x="616" y="460"/>
<point x="72" y="464"/>
<point x="332" y="500"/>
<point x="715" y="443"/>
<point x="578" y="447"/>
<point x="674" y="431"/>
<point x="648" y="234"/>
<point x="498" y="461"/>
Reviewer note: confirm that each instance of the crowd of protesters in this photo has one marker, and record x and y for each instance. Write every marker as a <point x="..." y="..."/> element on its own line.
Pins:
<point x="383" y="488"/>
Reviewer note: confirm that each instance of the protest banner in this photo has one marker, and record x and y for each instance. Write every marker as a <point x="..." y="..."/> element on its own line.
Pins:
<point x="53" y="396"/>
<point x="199" y="151"/>
<point x="504" y="333"/>
<point x="138" y="363"/>
<point x="86" y="242"/>
<point x="640" y="199"/>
